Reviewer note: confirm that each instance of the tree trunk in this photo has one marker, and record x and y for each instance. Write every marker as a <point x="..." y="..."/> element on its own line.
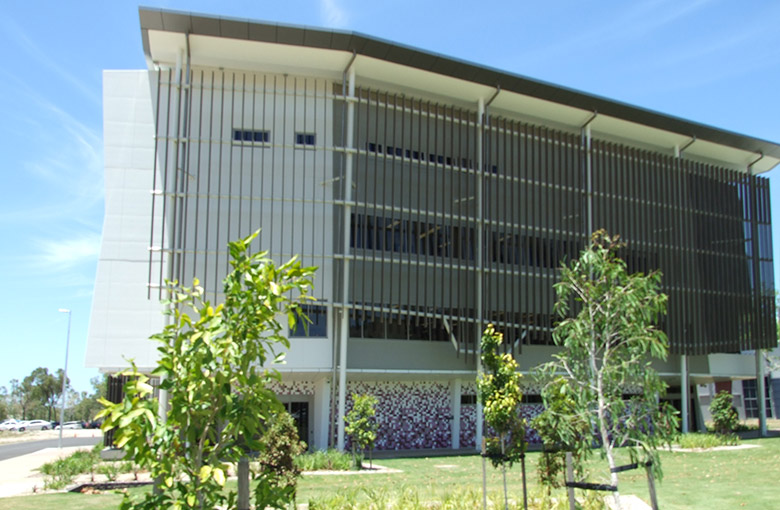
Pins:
<point x="503" y="468"/>
<point x="607" y="444"/>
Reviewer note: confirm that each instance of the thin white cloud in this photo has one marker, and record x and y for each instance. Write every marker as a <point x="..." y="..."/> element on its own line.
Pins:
<point x="15" y="34"/>
<point x="70" y="161"/>
<point x="332" y="14"/>
<point x="636" y="20"/>
<point x="62" y="254"/>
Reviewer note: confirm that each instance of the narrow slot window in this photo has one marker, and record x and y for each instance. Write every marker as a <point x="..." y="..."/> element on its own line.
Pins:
<point x="308" y="139"/>
<point x="251" y="136"/>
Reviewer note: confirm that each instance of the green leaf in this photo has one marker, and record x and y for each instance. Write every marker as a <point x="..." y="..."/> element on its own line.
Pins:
<point x="219" y="477"/>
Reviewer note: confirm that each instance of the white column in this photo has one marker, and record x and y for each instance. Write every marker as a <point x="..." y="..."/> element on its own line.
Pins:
<point x="348" y="156"/>
<point x="685" y="398"/>
<point x="480" y="235"/>
<point x="321" y="413"/>
<point x="589" y="170"/>
<point x="761" y="393"/>
<point x="455" y="388"/>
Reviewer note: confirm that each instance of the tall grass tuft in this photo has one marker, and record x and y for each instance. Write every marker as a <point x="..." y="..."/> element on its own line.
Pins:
<point x="700" y="440"/>
<point x="61" y="472"/>
<point x="410" y="499"/>
<point x="330" y="460"/>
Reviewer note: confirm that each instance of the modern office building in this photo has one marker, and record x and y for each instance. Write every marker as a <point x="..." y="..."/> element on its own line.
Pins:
<point x="435" y="195"/>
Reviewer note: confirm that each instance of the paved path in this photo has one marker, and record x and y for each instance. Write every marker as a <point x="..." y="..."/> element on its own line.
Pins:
<point x="20" y="475"/>
<point x="9" y="451"/>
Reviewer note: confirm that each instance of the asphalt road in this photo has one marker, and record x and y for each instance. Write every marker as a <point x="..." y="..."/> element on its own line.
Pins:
<point x="9" y="451"/>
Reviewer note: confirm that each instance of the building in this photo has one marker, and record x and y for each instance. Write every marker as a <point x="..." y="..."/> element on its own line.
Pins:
<point x="434" y="195"/>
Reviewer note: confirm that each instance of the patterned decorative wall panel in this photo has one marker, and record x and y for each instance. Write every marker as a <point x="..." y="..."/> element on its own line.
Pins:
<point x="410" y="414"/>
<point x="292" y="387"/>
<point x="468" y="426"/>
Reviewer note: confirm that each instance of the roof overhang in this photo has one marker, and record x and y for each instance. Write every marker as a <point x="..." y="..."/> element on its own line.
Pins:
<point x="255" y="46"/>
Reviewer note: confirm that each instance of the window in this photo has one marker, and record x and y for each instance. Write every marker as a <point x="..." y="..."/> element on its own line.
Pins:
<point x="318" y="327"/>
<point x="251" y="136"/>
<point x="750" y="398"/>
<point x="468" y="400"/>
<point x="305" y="139"/>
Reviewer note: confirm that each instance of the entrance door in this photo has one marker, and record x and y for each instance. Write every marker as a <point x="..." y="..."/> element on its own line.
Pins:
<point x="300" y="413"/>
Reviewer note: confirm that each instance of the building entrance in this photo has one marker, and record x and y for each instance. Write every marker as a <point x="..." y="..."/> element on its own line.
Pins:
<point x="300" y="413"/>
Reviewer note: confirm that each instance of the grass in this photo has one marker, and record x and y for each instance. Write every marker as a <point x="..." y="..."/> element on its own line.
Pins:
<point x="700" y="440"/>
<point x="745" y="478"/>
<point x="330" y="460"/>
<point x="713" y="480"/>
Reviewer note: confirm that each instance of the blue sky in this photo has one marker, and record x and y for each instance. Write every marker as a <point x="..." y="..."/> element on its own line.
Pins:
<point x="711" y="61"/>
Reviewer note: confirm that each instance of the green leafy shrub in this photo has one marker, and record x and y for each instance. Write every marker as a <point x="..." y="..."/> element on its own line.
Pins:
<point x="110" y="470"/>
<point x="330" y="460"/>
<point x="212" y="364"/>
<point x="275" y="464"/>
<point x="360" y="425"/>
<point x="62" y="472"/>
<point x="724" y="416"/>
<point x="698" y="440"/>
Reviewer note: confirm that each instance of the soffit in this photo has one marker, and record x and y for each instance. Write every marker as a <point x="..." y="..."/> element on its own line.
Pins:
<point x="240" y="44"/>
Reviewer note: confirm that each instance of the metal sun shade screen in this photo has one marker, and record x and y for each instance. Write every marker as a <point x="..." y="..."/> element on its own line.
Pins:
<point x="241" y="151"/>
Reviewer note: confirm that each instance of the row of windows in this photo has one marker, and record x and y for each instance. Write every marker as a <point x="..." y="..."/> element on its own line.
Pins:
<point x="398" y="328"/>
<point x="408" y="236"/>
<point x="438" y="240"/>
<point x="417" y="155"/>
<point x="409" y="325"/>
<point x="264" y="136"/>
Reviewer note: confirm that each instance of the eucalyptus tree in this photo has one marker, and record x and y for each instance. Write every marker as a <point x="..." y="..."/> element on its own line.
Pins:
<point x="609" y="335"/>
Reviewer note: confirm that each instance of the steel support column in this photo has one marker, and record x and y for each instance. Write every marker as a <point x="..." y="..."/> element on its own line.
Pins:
<point x="479" y="254"/>
<point x="344" y="333"/>
<point x="757" y="329"/>
<point x="684" y="396"/>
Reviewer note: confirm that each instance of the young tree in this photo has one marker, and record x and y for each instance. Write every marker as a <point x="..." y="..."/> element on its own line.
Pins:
<point x="212" y="363"/>
<point x="360" y="426"/>
<point x="608" y="340"/>
<point x="499" y="392"/>
<point x="724" y="416"/>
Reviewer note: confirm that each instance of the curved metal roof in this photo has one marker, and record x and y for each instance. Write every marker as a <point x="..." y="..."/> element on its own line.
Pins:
<point x="365" y="46"/>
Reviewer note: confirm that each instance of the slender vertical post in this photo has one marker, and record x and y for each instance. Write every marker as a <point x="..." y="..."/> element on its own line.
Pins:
<point x="757" y="329"/>
<point x="162" y="402"/>
<point x="480" y="249"/>
<point x="684" y="397"/>
<point x="651" y="485"/>
<point x="64" y="376"/>
<point x="348" y="156"/>
<point x="588" y="143"/>
<point x="525" y="487"/>
<point x="570" y="478"/>
<point x="484" y="474"/>
<point x="243" y="483"/>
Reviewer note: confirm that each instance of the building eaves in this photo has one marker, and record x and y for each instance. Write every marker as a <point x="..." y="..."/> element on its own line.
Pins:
<point x="181" y="22"/>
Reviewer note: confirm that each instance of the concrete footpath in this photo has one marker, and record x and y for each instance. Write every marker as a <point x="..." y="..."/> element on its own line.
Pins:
<point x="20" y="475"/>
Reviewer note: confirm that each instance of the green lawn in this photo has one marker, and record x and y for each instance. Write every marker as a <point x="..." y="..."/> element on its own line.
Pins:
<point x="712" y="480"/>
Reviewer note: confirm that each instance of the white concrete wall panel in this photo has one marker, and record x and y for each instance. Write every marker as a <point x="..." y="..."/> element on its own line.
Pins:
<point x="122" y="316"/>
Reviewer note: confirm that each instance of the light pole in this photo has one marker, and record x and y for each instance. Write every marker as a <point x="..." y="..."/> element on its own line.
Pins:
<point x="64" y="376"/>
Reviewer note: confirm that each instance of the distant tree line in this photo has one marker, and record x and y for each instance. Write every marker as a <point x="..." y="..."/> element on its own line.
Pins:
<point x="38" y="397"/>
